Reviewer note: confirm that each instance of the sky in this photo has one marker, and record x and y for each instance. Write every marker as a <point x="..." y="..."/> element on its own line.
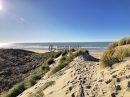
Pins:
<point x="64" y="20"/>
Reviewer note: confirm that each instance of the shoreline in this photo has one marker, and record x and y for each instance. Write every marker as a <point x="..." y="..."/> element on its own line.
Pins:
<point x="96" y="54"/>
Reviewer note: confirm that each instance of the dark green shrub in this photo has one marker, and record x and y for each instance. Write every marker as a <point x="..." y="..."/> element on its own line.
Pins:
<point x="58" y="68"/>
<point x="58" y="54"/>
<point x="64" y="52"/>
<point x="63" y="63"/>
<point x="45" y="68"/>
<point x="16" y="90"/>
<point x="72" y="50"/>
<point x="50" y="61"/>
<point x="33" y="80"/>
<point x="62" y="59"/>
<point x="48" y="84"/>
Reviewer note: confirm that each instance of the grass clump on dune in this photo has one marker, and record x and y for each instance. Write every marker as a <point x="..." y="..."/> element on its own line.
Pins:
<point x="128" y="40"/>
<point x="64" y="52"/>
<point x="48" y="84"/>
<point x="50" y="61"/>
<point x="16" y="90"/>
<point x="81" y="51"/>
<point x="122" y="52"/>
<point x="123" y="41"/>
<point x="62" y="63"/>
<point x="108" y="59"/>
<point x="57" y="54"/>
<point x="72" y="50"/>
<point x="113" y="45"/>
<point x="116" y="53"/>
<point x="39" y="92"/>
<point x="61" y="52"/>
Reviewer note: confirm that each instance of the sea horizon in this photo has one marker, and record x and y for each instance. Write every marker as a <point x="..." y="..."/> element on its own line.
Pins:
<point x="91" y="46"/>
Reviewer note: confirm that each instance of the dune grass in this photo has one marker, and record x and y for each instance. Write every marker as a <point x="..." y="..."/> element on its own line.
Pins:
<point x="48" y="84"/>
<point x="57" y="54"/>
<point x="123" y="41"/>
<point x="116" y="52"/>
<point x="121" y="52"/>
<point x="65" y="60"/>
<point x="50" y="61"/>
<point x="112" y="45"/>
<point x="16" y="90"/>
<point x="107" y="58"/>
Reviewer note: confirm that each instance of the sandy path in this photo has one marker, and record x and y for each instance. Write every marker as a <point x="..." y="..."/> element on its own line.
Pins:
<point x="86" y="79"/>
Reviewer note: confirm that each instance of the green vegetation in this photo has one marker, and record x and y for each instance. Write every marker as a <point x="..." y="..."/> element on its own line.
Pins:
<point x="16" y="90"/>
<point x="108" y="59"/>
<point x="57" y="54"/>
<point x="113" y="45"/>
<point x="48" y="84"/>
<point x="65" y="60"/>
<point x="121" y="53"/>
<point x="67" y="57"/>
<point x="123" y="41"/>
<point x="39" y="92"/>
<point x="64" y="52"/>
<point x="116" y="52"/>
<point x="72" y="50"/>
<point x="28" y="82"/>
<point x="50" y="61"/>
<point x="81" y="51"/>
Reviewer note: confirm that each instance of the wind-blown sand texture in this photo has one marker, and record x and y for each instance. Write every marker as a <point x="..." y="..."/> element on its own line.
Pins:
<point x="84" y="78"/>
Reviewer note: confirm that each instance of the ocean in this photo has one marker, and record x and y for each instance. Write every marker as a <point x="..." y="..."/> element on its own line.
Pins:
<point x="91" y="46"/>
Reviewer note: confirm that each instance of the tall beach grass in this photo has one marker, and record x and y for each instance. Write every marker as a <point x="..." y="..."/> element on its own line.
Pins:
<point x="116" y="52"/>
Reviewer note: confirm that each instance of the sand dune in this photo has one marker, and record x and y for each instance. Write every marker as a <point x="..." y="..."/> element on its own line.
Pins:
<point x="85" y="79"/>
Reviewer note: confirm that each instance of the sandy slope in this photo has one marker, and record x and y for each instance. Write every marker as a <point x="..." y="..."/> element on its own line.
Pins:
<point x="85" y="79"/>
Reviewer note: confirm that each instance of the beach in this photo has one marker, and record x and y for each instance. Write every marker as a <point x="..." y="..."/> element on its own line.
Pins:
<point x="96" y="54"/>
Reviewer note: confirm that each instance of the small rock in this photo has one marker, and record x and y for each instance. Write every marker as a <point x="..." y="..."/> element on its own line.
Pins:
<point x="70" y="88"/>
<point x="128" y="76"/>
<point x="129" y="84"/>
<point x="83" y="81"/>
<point x="73" y="95"/>
<point x="88" y="87"/>
<point x="118" y="80"/>
<point x="67" y="92"/>
<point x="100" y="80"/>
<point x="113" y="95"/>
<point x="107" y="82"/>
<point x="80" y="78"/>
<point x="118" y="87"/>
<point x="114" y="76"/>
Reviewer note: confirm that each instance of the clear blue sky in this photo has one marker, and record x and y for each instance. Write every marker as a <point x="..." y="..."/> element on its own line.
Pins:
<point x="64" y="20"/>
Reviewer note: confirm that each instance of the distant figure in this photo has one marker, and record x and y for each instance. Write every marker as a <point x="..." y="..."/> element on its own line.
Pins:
<point x="51" y="48"/>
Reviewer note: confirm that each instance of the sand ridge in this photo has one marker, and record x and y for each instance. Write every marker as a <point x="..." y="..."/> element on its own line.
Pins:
<point x="84" y="78"/>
